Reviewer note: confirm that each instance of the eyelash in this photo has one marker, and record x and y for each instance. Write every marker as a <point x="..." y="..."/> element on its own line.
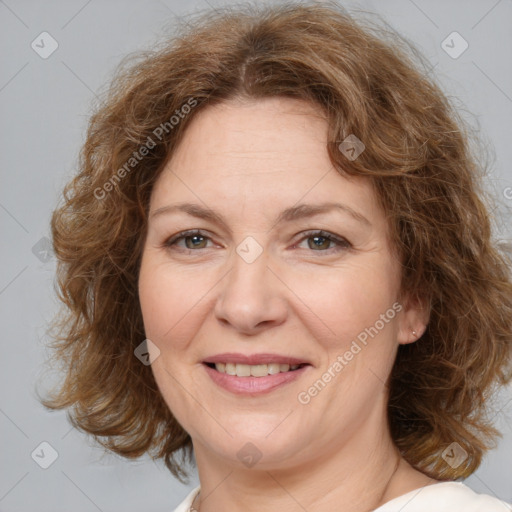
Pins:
<point x="342" y="243"/>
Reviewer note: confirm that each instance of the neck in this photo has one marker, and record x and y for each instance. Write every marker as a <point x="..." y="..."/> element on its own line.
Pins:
<point x="356" y="476"/>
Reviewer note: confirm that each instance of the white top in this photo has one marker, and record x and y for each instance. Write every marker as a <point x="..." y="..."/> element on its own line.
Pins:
<point x="440" y="497"/>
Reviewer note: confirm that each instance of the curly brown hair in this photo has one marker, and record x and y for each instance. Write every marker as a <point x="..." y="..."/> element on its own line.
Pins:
<point x="369" y="82"/>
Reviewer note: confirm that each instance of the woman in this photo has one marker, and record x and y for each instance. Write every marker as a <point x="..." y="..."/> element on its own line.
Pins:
<point x="277" y="260"/>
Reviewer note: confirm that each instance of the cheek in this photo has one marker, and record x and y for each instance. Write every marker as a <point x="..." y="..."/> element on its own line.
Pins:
<point x="346" y="301"/>
<point x="172" y="303"/>
<point x="160" y="299"/>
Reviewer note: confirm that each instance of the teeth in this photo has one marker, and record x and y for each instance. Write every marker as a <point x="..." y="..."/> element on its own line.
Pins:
<point x="273" y="368"/>
<point x="256" y="370"/>
<point x="243" y="370"/>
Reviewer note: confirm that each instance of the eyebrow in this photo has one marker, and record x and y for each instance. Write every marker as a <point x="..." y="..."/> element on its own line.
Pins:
<point x="300" y="211"/>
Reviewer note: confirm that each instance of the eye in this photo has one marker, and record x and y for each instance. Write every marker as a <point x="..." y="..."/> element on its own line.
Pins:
<point x="194" y="239"/>
<point x="321" y="240"/>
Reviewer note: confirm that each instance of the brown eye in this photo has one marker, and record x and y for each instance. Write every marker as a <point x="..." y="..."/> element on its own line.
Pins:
<point x="193" y="239"/>
<point x="322" y="241"/>
<point x="319" y="242"/>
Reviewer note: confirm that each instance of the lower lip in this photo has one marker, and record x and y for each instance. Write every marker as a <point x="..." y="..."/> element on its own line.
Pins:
<point x="253" y="385"/>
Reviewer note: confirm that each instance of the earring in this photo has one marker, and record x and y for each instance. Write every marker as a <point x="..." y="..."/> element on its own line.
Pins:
<point x="414" y="333"/>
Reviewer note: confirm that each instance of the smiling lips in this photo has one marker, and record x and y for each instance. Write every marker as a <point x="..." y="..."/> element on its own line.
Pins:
<point x="256" y="370"/>
<point x="257" y="373"/>
<point x="255" y="365"/>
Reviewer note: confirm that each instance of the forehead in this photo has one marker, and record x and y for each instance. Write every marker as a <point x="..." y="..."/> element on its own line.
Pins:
<point x="265" y="154"/>
<point x="256" y="135"/>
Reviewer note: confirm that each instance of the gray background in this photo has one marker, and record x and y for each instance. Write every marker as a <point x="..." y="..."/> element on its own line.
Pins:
<point x="44" y="106"/>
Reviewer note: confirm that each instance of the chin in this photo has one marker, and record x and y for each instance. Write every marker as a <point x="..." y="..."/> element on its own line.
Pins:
<point x="271" y="449"/>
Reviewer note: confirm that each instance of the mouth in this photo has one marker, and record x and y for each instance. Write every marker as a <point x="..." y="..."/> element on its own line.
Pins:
<point x="254" y="370"/>
<point x="254" y="375"/>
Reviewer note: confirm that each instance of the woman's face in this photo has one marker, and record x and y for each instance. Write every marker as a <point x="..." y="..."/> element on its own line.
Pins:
<point x="259" y="281"/>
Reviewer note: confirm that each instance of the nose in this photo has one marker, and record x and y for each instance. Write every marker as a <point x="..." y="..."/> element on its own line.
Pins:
<point x="251" y="298"/>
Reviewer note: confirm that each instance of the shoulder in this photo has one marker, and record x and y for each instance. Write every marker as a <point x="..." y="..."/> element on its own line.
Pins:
<point x="184" y="506"/>
<point x="445" y="497"/>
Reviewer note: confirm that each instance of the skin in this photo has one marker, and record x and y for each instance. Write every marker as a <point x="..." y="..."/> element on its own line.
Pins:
<point x="248" y="161"/>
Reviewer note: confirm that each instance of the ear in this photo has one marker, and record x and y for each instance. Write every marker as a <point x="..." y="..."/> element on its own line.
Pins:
<point x="413" y="319"/>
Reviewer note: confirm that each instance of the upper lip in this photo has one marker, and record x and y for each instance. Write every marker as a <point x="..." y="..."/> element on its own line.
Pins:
<point x="254" y="359"/>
